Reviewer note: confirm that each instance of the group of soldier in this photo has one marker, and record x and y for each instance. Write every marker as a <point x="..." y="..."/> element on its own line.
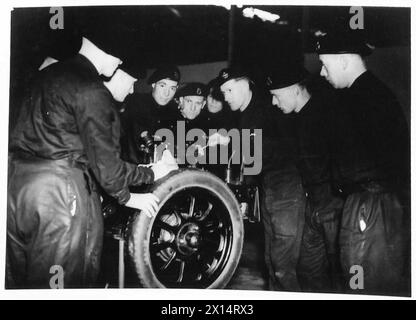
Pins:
<point x="334" y="179"/>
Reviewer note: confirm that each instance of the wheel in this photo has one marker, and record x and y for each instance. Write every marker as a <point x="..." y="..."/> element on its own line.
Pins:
<point x="196" y="238"/>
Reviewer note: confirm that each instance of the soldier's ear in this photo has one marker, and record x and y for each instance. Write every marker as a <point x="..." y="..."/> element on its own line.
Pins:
<point x="296" y="90"/>
<point x="153" y="85"/>
<point x="344" y="60"/>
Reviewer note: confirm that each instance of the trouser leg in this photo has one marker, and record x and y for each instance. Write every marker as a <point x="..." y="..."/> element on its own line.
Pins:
<point x="373" y="242"/>
<point x="313" y="265"/>
<point x="329" y="217"/>
<point x="54" y="229"/>
<point x="319" y="265"/>
<point x="284" y="201"/>
<point x="268" y="236"/>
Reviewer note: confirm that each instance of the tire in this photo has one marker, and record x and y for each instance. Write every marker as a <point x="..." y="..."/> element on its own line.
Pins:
<point x="201" y="246"/>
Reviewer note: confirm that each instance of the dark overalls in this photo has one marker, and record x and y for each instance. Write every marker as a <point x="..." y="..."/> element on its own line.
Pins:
<point x="68" y="127"/>
<point x="282" y="195"/>
<point x="319" y="269"/>
<point x="143" y="114"/>
<point x="374" y="177"/>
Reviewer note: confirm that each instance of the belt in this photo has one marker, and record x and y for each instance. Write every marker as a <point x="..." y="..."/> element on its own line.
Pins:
<point x="373" y="186"/>
<point x="64" y="162"/>
<point x="67" y="162"/>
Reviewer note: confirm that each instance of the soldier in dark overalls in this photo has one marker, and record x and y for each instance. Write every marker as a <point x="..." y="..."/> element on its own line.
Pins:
<point x="146" y="113"/>
<point x="308" y="109"/>
<point x="217" y="113"/>
<point x="68" y="128"/>
<point x="216" y="116"/>
<point x="191" y="100"/>
<point x="372" y="170"/>
<point x="283" y="198"/>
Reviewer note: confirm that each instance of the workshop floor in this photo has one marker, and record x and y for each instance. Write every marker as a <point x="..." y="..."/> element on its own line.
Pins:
<point x="251" y="271"/>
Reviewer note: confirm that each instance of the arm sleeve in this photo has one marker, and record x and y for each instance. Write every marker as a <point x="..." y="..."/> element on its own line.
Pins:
<point x="133" y="123"/>
<point x="95" y="119"/>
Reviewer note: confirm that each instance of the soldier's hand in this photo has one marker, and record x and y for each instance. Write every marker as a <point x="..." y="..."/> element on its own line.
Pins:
<point x="148" y="203"/>
<point x="164" y="166"/>
<point x="168" y="158"/>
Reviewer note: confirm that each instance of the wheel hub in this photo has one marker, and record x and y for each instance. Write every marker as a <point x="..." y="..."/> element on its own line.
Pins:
<point x="188" y="238"/>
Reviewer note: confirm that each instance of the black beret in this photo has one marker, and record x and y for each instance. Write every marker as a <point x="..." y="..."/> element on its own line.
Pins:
<point x="343" y="42"/>
<point x="165" y="72"/>
<point x="112" y="40"/>
<point x="62" y="44"/>
<point x="285" y="76"/>
<point x="213" y="89"/>
<point x="132" y="66"/>
<point x="230" y="74"/>
<point x="192" y="89"/>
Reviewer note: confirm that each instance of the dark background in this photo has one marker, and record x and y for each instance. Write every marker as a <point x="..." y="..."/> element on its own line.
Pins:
<point x="195" y="34"/>
<point x="188" y="35"/>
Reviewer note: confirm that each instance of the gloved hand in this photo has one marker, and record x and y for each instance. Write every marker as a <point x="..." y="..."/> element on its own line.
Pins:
<point x="164" y="166"/>
<point x="216" y="138"/>
<point x="168" y="158"/>
<point x="146" y="202"/>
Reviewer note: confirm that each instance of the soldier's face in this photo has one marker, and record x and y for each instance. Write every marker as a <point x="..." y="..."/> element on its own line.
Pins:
<point x="123" y="85"/>
<point x="213" y="105"/>
<point x="332" y="70"/>
<point x="191" y="106"/>
<point x="284" y="99"/>
<point x="235" y="92"/>
<point x="164" y="90"/>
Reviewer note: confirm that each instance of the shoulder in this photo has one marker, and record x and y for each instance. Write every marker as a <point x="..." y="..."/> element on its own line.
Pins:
<point x="369" y="84"/>
<point x="137" y="103"/>
<point x="73" y="76"/>
<point x="138" y="98"/>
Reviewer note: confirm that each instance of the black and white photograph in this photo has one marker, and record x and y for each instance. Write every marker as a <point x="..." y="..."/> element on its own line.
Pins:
<point x="225" y="147"/>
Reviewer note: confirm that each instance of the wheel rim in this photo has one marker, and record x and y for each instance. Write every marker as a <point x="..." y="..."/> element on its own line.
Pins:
<point x="191" y="239"/>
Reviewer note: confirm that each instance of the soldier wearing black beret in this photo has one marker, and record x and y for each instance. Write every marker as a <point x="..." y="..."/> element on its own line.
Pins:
<point x="307" y="106"/>
<point x="68" y="130"/>
<point x="169" y="72"/>
<point x="192" y="99"/>
<point x="283" y="198"/>
<point x="146" y="113"/>
<point x="372" y="168"/>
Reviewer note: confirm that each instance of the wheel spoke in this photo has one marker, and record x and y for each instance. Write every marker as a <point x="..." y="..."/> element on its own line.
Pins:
<point x="156" y="246"/>
<point x="201" y="263"/>
<point x="191" y="207"/>
<point x="191" y="239"/>
<point x="181" y="272"/>
<point x="212" y="247"/>
<point x="167" y="264"/>
<point x="163" y="225"/>
<point x="213" y="227"/>
<point x="203" y="216"/>
<point x="177" y="215"/>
